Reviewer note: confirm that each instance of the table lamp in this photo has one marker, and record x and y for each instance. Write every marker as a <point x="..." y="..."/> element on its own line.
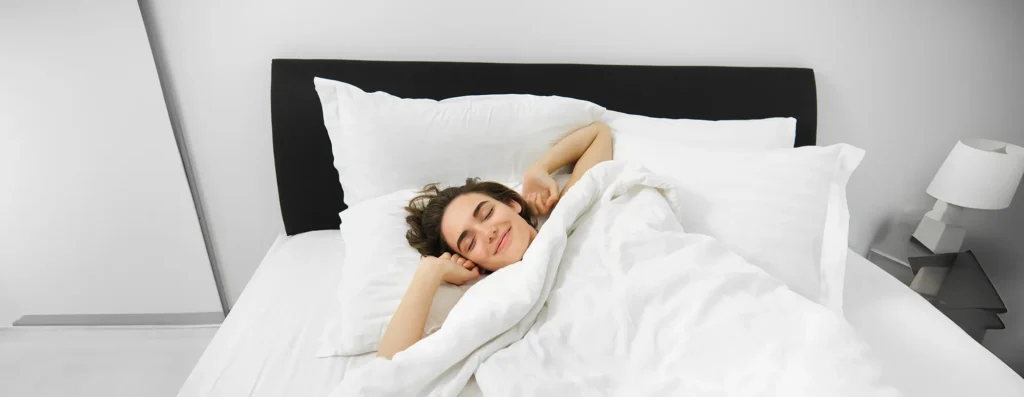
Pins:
<point x="978" y="173"/>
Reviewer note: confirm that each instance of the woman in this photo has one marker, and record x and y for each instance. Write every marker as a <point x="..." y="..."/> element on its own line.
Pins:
<point x="482" y="225"/>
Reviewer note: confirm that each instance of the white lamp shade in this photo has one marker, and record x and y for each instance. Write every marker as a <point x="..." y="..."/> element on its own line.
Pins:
<point x="979" y="173"/>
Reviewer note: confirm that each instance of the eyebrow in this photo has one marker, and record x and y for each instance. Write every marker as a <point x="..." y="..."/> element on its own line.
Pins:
<point x="476" y="212"/>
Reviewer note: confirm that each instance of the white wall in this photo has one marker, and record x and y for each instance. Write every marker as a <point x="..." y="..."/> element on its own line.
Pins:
<point x="902" y="79"/>
<point x="95" y="212"/>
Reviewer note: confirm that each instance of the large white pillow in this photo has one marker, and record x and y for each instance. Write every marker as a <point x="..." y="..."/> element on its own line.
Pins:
<point x="763" y="134"/>
<point x="375" y="274"/>
<point x="784" y="209"/>
<point x="382" y="143"/>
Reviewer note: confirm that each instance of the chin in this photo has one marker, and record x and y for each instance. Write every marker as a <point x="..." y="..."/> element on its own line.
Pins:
<point x="517" y="253"/>
<point x="505" y="262"/>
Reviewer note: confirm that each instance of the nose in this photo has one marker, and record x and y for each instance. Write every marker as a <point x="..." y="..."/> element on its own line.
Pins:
<point x="490" y="231"/>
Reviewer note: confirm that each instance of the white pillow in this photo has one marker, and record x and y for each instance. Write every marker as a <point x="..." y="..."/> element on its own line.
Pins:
<point x="784" y="209"/>
<point x="376" y="272"/>
<point x="382" y="143"/>
<point x="772" y="133"/>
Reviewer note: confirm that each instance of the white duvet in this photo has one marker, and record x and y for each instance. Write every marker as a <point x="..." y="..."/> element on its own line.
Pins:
<point x="613" y="298"/>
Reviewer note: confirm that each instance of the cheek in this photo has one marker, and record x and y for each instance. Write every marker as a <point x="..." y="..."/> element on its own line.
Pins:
<point x="522" y="236"/>
<point x="478" y="255"/>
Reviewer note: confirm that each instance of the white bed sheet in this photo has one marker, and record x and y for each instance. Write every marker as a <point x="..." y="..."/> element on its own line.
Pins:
<point x="921" y="351"/>
<point x="266" y="345"/>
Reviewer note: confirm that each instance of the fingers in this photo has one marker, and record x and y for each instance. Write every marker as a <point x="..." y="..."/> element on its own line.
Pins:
<point x="465" y="263"/>
<point x="552" y="201"/>
<point x="463" y="277"/>
<point x="531" y="201"/>
<point x="470" y="275"/>
<point x="553" y="189"/>
<point x="542" y="204"/>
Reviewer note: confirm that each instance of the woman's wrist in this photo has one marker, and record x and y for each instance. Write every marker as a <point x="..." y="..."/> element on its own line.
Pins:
<point x="430" y="270"/>
<point x="539" y="167"/>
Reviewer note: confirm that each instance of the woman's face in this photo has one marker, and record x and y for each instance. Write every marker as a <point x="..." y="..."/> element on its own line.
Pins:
<point x="488" y="232"/>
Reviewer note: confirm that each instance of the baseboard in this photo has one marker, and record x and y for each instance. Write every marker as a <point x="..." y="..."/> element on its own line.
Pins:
<point x="120" y="319"/>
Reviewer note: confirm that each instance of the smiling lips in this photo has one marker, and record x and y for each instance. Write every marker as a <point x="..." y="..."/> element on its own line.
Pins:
<point x="503" y="243"/>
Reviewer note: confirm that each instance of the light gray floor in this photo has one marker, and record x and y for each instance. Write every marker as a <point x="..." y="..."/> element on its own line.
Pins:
<point x="99" y="361"/>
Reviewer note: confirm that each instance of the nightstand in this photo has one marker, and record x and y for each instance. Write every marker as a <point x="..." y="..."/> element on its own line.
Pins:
<point x="966" y="294"/>
<point x="893" y="252"/>
<point x="956" y="284"/>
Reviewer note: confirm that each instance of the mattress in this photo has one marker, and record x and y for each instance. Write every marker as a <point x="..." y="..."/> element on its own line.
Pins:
<point x="266" y="346"/>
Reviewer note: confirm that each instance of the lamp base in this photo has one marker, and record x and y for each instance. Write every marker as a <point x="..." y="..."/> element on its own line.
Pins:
<point x="939" y="237"/>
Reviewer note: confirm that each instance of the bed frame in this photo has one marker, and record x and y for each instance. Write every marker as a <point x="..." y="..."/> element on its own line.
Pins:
<point x="308" y="188"/>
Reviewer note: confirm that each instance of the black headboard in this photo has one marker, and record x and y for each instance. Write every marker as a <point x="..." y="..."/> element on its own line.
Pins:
<point x="307" y="183"/>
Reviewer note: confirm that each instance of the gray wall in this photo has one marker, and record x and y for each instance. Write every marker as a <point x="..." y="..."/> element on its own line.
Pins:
<point x="902" y="79"/>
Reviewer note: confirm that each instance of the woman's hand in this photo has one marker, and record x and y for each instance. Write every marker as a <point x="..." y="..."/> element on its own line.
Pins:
<point x="585" y="147"/>
<point x="452" y="269"/>
<point x="540" y="191"/>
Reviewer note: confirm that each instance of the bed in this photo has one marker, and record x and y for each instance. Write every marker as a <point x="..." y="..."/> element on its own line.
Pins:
<point x="266" y="345"/>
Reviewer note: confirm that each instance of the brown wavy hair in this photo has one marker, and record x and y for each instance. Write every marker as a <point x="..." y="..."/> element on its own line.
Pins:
<point x="426" y="209"/>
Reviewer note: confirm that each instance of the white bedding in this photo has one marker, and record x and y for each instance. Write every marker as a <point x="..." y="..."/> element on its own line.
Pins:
<point x="614" y="298"/>
<point x="922" y="352"/>
<point x="265" y="346"/>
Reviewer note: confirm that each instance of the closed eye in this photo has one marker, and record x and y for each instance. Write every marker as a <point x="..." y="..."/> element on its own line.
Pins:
<point x="472" y="243"/>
